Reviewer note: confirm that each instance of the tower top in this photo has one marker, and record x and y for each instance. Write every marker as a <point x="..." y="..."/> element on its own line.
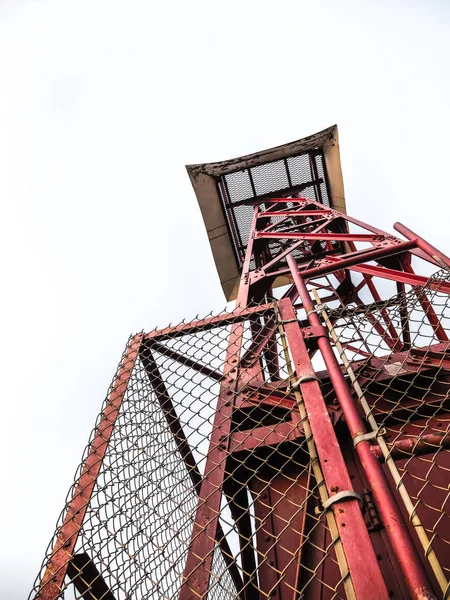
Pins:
<point x="227" y="191"/>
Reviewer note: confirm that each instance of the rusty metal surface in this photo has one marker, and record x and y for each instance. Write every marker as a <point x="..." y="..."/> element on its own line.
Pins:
<point x="212" y="469"/>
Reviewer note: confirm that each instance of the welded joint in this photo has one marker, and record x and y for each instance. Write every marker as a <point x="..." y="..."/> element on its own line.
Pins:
<point x="343" y="496"/>
<point x="366" y="437"/>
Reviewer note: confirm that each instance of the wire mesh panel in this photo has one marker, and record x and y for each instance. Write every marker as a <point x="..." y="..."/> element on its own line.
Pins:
<point x="401" y="375"/>
<point x="142" y="482"/>
<point x="205" y="475"/>
<point x="303" y="173"/>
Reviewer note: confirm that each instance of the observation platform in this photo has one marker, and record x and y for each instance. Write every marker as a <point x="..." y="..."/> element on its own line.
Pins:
<point x="227" y="191"/>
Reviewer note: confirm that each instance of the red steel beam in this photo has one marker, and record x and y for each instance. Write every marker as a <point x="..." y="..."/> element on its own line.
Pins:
<point x="260" y="340"/>
<point x="52" y="583"/>
<point x="338" y="237"/>
<point x="426" y="251"/>
<point x="367" y="280"/>
<point x="197" y="571"/>
<point x="333" y="263"/>
<point x="238" y="315"/>
<point x="401" y="541"/>
<point x="394" y="275"/>
<point x="294" y="213"/>
<point x="428" y="309"/>
<point x="198" y="566"/>
<point x="364" y="567"/>
<point x="269" y="435"/>
<point x="425" y="246"/>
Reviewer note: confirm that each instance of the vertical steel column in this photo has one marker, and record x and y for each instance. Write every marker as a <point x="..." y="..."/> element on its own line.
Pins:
<point x="197" y="571"/>
<point x="401" y="541"/>
<point x="198" y="567"/>
<point x="363" y="565"/>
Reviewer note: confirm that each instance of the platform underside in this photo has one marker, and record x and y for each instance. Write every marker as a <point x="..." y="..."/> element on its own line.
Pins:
<point x="227" y="191"/>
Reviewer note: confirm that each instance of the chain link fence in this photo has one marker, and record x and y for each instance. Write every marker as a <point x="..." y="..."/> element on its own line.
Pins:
<point x="402" y="380"/>
<point x="216" y="400"/>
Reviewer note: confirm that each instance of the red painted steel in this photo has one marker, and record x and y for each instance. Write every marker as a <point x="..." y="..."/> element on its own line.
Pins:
<point x="308" y="244"/>
<point x="402" y="543"/>
<point x="393" y="275"/>
<point x="275" y="541"/>
<point x="343" y="237"/>
<point x="418" y="445"/>
<point x="332" y="264"/>
<point x="192" y="327"/>
<point x="357" y="261"/>
<point x="364" y="567"/>
<point x="197" y="571"/>
<point x="436" y="254"/>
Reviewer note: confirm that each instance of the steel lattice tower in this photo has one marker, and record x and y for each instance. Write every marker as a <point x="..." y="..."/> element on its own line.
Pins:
<point x="295" y="447"/>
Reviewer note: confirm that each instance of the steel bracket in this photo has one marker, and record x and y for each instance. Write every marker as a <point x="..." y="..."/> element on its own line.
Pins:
<point x="314" y="331"/>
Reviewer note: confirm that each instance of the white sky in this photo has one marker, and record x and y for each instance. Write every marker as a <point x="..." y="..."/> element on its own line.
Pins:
<point x="102" y="103"/>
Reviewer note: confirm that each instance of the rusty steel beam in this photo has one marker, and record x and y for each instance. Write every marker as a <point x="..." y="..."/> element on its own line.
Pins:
<point x="237" y="316"/>
<point x="402" y="543"/>
<point x="364" y="568"/>
<point x="197" y="570"/>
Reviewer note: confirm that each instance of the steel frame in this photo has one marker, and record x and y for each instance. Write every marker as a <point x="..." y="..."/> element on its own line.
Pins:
<point x="315" y="244"/>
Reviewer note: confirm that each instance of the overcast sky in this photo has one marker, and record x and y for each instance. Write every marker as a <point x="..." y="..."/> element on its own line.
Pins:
<point x="102" y="103"/>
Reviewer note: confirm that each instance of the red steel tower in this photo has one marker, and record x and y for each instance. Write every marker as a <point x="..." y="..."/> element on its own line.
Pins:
<point x="294" y="447"/>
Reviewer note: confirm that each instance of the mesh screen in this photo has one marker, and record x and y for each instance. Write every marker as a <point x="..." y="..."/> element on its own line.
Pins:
<point x="138" y="524"/>
<point x="405" y="393"/>
<point x="137" y="508"/>
<point x="303" y="173"/>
